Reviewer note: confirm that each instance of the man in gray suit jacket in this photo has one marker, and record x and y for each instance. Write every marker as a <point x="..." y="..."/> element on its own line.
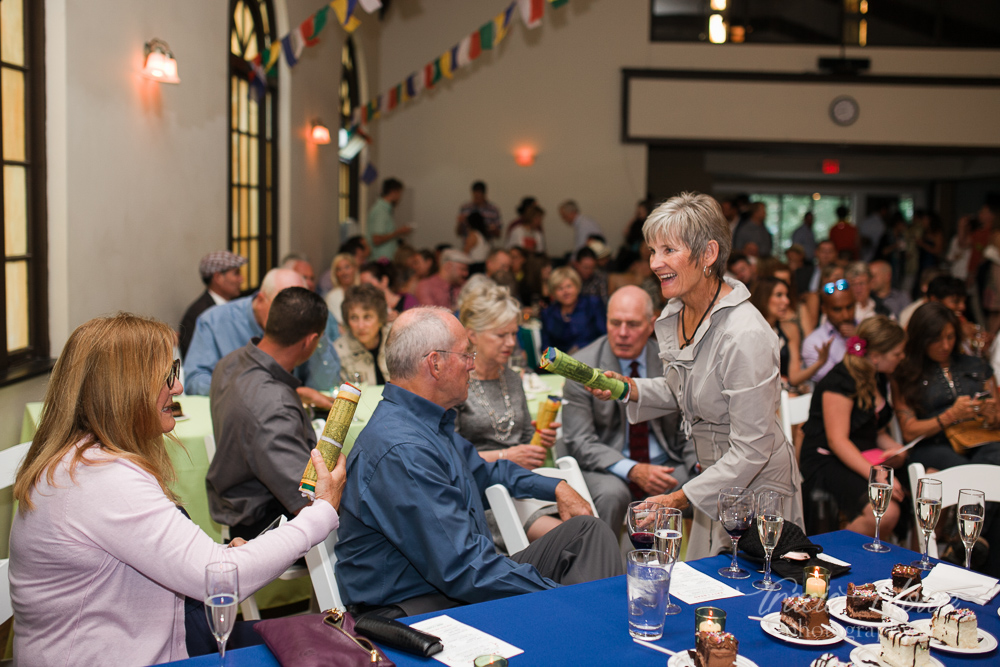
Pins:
<point x="597" y="433"/>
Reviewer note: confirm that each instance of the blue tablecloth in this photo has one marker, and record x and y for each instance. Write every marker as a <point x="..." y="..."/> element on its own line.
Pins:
<point x="586" y="624"/>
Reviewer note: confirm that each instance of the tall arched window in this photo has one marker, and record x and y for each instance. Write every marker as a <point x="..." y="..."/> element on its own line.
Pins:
<point x="349" y="100"/>
<point x="253" y="157"/>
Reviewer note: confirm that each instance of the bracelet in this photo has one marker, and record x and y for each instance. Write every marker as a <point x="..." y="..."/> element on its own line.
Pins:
<point x="503" y="454"/>
<point x="938" y="418"/>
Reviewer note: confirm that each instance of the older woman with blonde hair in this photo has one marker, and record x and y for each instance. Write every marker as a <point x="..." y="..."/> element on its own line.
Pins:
<point x="720" y="371"/>
<point x="101" y="558"/>
<point x="573" y="320"/>
<point x="344" y="272"/>
<point x="495" y="416"/>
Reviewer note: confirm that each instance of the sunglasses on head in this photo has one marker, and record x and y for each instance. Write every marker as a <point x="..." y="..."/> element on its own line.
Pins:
<point x="839" y="286"/>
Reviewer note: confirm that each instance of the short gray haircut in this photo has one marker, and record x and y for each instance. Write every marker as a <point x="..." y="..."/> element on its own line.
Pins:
<point x="488" y="307"/>
<point x="857" y="270"/>
<point x="693" y="220"/>
<point x="569" y="206"/>
<point x="277" y="279"/>
<point x="423" y="331"/>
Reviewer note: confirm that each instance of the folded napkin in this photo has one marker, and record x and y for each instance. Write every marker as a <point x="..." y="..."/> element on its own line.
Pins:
<point x="961" y="583"/>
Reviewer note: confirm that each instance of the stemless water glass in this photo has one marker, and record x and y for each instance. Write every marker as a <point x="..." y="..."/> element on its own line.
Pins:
<point x="971" y="511"/>
<point x="736" y="515"/>
<point x="641" y="517"/>
<point x="667" y="539"/>
<point x="770" y="520"/>
<point x="222" y="597"/>
<point x="928" y="513"/>
<point x="879" y="494"/>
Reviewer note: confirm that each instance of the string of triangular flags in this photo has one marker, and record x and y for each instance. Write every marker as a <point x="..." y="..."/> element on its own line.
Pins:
<point x="305" y="35"/>
<point x="486" y="38"/>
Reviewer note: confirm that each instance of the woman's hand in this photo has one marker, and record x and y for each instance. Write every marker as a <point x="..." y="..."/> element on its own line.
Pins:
<point x="526" y="456"/>
<point x="605" y="395"/>
<point x="329" y="486"/>
<point x="964" y="408"/>
<point x="548" y="435"/>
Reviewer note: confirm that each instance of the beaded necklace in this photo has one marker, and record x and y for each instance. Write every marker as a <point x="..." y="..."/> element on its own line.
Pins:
<point x="502" y="424"/>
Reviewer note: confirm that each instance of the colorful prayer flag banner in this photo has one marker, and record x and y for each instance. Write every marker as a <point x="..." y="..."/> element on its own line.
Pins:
<point x="414" y="85"/>
<point x="393" y="99"/>
<point x="558" y="3"/>
<point x="462" y="58"/>
<point x="502" y="23"/>
<point x="428" y="73"/>
<point x="258" y="79"/>
<point x="344" y="9"/>
<point x="475" y="46"/>
<point x="369" y="175"/>
<point x="319" y="22"/>
<point x="444" y="63"/>
<point x="289" y="48"/>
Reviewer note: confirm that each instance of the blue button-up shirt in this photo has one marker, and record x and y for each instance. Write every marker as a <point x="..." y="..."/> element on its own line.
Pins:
<point x="228" y="327"/>
<point x="412" y="518"/>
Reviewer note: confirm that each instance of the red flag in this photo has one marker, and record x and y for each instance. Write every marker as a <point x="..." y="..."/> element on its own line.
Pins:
<point x="307" y="30"/>
<point x="475" y="46"/>
<point x="429" y="76"/>
<point x="393" y="98"/>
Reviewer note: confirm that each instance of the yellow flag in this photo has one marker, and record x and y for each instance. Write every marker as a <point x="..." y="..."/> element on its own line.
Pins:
<point x="445" y="62"/>
<point x="350" y="23"/>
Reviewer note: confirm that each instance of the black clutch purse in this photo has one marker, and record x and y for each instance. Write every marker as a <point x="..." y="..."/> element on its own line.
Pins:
<point x="792" y="539"/>
<point x="397" y="635"/>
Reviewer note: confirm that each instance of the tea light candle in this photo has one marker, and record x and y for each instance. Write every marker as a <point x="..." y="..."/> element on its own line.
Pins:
<point x="709" y="625"/>
<point x="817" y="582"/>
<point x="490" y="661"/>
<point x="709" y="619"/>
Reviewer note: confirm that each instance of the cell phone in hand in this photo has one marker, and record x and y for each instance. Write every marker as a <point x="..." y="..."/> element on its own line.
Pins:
<point x="982" y="395"/>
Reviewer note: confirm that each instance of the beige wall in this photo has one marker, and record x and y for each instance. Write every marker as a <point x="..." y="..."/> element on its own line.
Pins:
<point x="559" y="87"/>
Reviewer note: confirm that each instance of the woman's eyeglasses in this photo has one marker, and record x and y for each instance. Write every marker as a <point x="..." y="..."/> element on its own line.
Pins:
<point x="175" y="370"/>
<point x="838" y="286"/>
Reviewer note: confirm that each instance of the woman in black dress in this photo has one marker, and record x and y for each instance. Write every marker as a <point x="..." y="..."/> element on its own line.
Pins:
<point x="848" y="415"/>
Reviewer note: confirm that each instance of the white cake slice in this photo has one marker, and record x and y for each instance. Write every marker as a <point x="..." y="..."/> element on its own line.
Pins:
<point x="955" y="627"/>
<point x="904" y="646"/>
<point x="829" y="660"/>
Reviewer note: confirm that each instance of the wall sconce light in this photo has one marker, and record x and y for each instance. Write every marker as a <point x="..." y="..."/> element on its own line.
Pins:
<point x="524" y="156"/>
<point x="160" y="63"/>
<point x="320" y="133"/>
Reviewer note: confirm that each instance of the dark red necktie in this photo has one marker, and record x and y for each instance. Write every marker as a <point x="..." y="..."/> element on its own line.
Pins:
<point x="638" y="441"/>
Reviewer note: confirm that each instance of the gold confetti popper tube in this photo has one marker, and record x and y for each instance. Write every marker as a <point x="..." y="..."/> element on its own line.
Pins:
<point x="546" y="413"/>
<point x="334" y="432"/>
<point x="560" y="363"/>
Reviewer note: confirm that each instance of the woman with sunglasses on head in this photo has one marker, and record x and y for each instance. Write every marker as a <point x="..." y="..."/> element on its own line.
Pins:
<point x="101" y="555"/>
<point x="771" y="297"/>
<point x="848" y="416"/>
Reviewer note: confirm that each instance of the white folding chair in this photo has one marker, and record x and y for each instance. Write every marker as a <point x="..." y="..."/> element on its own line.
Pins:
<point x="510" y="513"/>
<point x="322" y="561"/>
<point x="973" y="476"/>
<point x="10" y="460"/>
<point x="793" y="410"/>
<point x="249" y="605"/>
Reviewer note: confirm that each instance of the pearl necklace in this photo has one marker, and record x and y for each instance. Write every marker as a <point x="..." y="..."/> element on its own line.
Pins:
<point x="503" y="425"/>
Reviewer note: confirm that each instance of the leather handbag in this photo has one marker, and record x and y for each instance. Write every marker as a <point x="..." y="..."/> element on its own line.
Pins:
<point x="971" y="433"/>
<point x="319" y="640"/>
<point x="396" y="635"/>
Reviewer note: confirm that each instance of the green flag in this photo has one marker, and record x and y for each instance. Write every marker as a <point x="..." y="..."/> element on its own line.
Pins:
<point x="486" y="36"/>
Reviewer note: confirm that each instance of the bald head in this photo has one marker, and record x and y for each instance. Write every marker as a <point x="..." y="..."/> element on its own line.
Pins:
<point x="274" y="281"/>
<point x="630" y="321"/>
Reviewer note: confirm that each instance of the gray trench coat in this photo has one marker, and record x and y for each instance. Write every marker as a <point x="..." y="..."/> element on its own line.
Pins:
<point x="727" y="387"/>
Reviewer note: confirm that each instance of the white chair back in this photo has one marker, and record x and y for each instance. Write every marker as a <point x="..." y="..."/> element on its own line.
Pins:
<point x="10" y="460"/>
<point x="973" y="476"/>
<point x="510" y="513"/>
<point x="210" y="446"/>
<point x="322" y="561"/>
<point x="793" y="410"/>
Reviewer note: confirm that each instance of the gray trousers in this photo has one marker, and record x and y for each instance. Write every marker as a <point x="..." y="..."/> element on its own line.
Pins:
<point x="611" y="497"/>
<point x="581" y="549"/>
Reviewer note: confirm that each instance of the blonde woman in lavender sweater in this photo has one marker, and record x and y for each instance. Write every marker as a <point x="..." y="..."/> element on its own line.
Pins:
<point x="101" y="560"/>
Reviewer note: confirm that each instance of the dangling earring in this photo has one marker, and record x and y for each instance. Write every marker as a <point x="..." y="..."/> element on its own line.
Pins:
<point x="707" y="270"/>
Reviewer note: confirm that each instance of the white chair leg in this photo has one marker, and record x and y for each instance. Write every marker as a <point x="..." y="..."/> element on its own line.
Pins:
<point x="249" y="609"/>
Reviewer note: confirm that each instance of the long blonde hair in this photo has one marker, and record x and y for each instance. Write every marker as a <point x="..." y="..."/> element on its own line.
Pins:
<point x="104" y="389"/>
<point x="881" y="335"/>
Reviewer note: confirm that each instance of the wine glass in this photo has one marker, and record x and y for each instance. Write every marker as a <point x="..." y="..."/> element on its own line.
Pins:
<point x="971" y="510"/>
<point x="736" y="514"/>
<point x="667" y="539"/>
<point x="928" y="513"/>
<point x="770" y="520"/>
<point x="879" y="494"/>
<point x="222" y="597"/>
<point x="641" y="517"/>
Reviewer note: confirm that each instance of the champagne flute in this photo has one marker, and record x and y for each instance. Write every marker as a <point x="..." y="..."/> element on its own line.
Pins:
<point x="770" y="520"/>
<point x="971" y="511"/>
<point x="667" y="539"/>
<point x="928" y="513"/>
<point x="222" y="598"/>
<point x="641" y="519"/>
<point x="736" y="514"/>
<point x="879" y="494"/>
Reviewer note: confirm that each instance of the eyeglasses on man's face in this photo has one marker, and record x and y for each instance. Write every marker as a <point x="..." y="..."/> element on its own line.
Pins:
<point x="838" y="286"/>
<point x="470" y="357"/>
<point x="175" y="369"/>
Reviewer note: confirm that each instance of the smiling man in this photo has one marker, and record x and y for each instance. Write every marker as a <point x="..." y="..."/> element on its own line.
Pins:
<point x="623" y="462"/>
<point x="837" y="302"/>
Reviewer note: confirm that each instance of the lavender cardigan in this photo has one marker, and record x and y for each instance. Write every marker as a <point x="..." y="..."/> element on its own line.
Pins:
<point x="100" y="567"/>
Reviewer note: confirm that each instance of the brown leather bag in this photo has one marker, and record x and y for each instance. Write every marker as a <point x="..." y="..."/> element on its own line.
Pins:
<point x="969" y="434"/>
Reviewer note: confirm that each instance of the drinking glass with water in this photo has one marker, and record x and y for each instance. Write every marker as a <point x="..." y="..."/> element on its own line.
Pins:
<point x="647" y="581"/>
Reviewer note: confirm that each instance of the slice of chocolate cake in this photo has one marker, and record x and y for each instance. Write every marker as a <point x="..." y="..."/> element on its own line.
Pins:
<point x="715" y="649"/>
<point x="805" y="617"/>
<point x="863" y="603"/>
<point x="904" y="646"/>
<point x="905" y="576"/>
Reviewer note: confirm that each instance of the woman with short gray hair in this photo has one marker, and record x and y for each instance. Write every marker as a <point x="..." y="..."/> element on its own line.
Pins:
<point x="720" y="371"/>
<point x="495" y="416"/>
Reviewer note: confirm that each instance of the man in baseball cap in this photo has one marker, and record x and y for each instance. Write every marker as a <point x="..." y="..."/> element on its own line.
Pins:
<point x="220" y="271"/>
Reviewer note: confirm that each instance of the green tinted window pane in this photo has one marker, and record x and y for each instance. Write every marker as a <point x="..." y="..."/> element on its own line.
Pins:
<point x="12" y="83"/>
<point x="12" y="32"/>
<point x="17" y="305"/>
<point x="15" y="211"/>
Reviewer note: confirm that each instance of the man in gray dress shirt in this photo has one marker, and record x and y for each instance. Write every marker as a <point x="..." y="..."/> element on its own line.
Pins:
<point x="598" y="434"/>
<point x="263" y="434"/>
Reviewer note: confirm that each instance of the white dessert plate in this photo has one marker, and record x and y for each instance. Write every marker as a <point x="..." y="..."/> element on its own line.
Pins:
<point x="927" y="602"/>
<point x="838" y="609"/>
<point x="865" y="655"/>
<point x="684" y="659"/>
<point x="987" y="642"/>
<point x="772" y="625"/>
